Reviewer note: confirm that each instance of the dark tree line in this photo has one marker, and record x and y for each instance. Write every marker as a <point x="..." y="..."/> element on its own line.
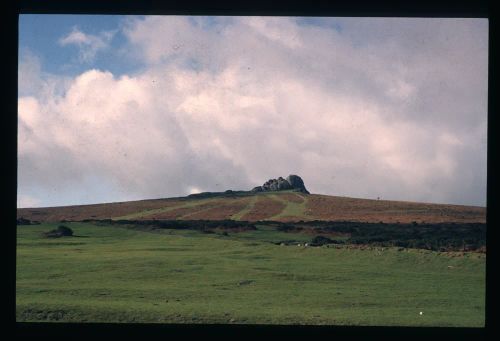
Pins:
<point x="437" y="237"/>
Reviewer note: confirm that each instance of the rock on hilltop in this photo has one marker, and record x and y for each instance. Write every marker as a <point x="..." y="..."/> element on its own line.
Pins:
<point x="291" y="182"/>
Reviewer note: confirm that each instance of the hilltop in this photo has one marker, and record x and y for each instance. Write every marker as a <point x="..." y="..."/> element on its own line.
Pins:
<point x="283" y="205"/>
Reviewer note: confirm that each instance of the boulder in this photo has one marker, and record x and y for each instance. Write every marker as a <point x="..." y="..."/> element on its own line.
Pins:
<point x="274" y="186"/>
<point x="297" y="183"/>
<point x="283" y="184"/>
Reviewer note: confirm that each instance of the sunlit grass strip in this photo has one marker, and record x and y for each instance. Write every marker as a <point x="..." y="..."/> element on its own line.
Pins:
<point x="246" y="210"/>
<point x="143" y="214"/>
<point x="292" y="209"/>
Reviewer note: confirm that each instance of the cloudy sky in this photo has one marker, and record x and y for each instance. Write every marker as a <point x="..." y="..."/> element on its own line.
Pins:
<point x="115" y="108"/>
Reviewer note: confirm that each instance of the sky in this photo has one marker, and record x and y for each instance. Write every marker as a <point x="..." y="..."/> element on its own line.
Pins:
<point x="117" y="108"/>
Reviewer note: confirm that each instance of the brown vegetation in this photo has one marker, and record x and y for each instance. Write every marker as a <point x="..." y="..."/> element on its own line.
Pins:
<point x="222" y="211"/>
<point x="265" y="207"/>
<point x="317" y="207"/>
<point x="292" y="197"/>
<point x="97" y="211"/>
<point x="323" y="207"/>
<point x="177" y="213"/>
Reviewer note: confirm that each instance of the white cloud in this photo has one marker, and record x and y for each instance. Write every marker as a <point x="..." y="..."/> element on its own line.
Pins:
<point x="194" y="190"/>
<point x="87" y="44"/>
<point x="233" y="103"/>
<point x="27" y="201"/>
<point x="33" y="81"/>
<point x="29" y="71"/>
<point x="280" y="30"/>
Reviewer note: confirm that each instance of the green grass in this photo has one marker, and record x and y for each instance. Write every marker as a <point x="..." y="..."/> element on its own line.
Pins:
<point x="247" y="208"/>
<point x="145" y="213"/>
<point x="292" y="209"/>
<point x="114" y="274"/>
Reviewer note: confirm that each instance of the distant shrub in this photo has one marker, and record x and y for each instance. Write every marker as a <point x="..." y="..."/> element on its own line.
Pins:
<point x="61" y="231"/>
<point x="321" y="240"/>
<point x="285" y="228"/>
<point x="64" y="230"/>
<point x="23" y="221"/>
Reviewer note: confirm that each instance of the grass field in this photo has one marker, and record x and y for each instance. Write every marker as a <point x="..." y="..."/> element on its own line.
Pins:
<point x="117" y="274"/>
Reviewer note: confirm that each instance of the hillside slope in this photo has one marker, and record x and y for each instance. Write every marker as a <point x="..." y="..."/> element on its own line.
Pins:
<point x="278" y="206"/>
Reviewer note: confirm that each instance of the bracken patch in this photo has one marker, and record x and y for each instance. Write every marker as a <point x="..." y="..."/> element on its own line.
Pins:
<point x="264" y="208"/>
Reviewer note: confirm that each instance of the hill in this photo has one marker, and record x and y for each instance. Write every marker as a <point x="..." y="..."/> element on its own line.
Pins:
<point x="273" y="255"/>
<point x="284" y="206"/>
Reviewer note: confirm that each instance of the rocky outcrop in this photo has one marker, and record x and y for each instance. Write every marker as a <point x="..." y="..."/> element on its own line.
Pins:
<point x="294" y="182"/>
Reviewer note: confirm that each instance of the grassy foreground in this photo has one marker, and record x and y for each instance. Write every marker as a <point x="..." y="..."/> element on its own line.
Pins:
<point x="114" y="274"/>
